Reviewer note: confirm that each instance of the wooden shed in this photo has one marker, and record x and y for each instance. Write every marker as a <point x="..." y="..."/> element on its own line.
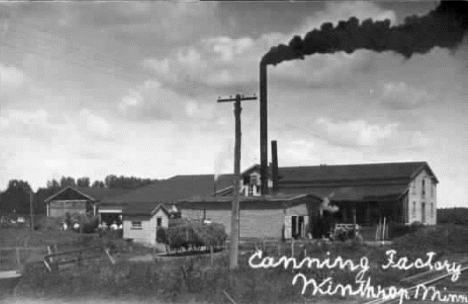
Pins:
<point x="270" y="216"/>
<point x="141" y="222"/>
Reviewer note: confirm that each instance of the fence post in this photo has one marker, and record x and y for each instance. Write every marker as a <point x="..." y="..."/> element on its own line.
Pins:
<point x="292" y="247"/>
<point x="79" y="258"/>
<point x="49" y="251"/>
<point x="212" y="255"/>
<point x="18" y="257"/>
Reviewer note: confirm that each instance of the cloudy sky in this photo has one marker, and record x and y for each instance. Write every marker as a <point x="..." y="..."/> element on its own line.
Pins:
<point x="91" y="89"/>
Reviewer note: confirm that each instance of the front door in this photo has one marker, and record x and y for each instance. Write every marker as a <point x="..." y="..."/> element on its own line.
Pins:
<point x="423" y="213"/>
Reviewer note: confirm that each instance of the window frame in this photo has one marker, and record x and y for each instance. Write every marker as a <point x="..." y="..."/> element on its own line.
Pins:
<point x="136" y="225"/>
<point x="423" y="188"/>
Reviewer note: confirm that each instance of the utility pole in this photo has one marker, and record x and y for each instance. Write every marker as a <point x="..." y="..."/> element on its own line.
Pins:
<point x="234" y="248"/>
<point x="31" y="209"/>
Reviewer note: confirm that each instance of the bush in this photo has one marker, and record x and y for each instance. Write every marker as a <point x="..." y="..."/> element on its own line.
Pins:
<point x="177" y="221"/>
<point x="112" y="234"/>
<point x="457" y="216"/>
<point x="195" y="235"/>
<point x="48" y="223"/>
<point x="88" y="223"/>
<point x="398" y="230"/>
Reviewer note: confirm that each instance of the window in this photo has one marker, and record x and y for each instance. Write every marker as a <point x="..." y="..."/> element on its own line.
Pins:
<point x="253" y="179"/>
<point x="414" y="209"/>
<point x="413" y="186"/>
<point x="423" y="189"/>
<point x="432" y="190"/>
<point x="136" y="226"/>
<point x="251" y="190"/>
<point x="432" y="209"/>
<point x="158" y="221"/>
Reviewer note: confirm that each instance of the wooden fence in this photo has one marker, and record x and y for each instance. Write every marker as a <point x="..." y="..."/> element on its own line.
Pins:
<point x="54" y="260"/>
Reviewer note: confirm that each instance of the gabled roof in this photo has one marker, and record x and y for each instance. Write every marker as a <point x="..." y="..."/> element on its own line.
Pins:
<point x="380" y="171"/>
<point x="91" y="193"/>
<point x="173" y="189"/>
<point x="148" y="209"/>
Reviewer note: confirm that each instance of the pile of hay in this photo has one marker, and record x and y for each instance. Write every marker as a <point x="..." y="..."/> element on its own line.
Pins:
<point x="195" y="235"/>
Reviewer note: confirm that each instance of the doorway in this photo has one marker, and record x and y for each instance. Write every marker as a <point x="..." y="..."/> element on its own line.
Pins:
<point x="298" y="226"/>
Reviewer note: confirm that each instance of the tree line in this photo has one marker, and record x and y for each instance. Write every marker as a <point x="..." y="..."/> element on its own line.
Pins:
<point x="17" y="195"/>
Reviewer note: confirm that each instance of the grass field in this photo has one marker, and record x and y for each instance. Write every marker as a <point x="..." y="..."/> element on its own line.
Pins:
<point x="192" y="279"/>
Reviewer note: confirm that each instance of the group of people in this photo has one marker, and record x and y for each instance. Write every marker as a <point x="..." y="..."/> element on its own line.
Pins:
<point x="113" y="226"/>
<point x="75" y="226"/>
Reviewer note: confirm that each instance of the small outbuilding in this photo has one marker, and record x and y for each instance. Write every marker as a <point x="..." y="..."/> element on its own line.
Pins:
<point x="141" y="222"/>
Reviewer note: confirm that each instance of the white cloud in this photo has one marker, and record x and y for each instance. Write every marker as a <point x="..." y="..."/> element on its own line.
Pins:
<point x="56" y="128"/>
<point x="228" y="48"/>
<point x="149" y="101"/>
<point x="39" y="144"/>
<point x="401" y="96"/>
<point x="360" y="133"/>
<point x="189" y="57"/>
<point x="96" y="125"/>
<point x="356" y="132"/>
<point x="196" y="110"/>
<point x="11" y="78"/>
<point x="34" y="125"/>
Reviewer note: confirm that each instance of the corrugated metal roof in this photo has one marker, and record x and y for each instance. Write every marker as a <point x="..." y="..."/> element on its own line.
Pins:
<point x="264" y="198"/>
<point x="350" y="172"/>
<point x="353" y="193"/>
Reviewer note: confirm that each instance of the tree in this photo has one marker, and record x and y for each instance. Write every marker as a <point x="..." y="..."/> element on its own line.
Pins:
<point x="16" y="197"/>
<point x="98" y="184"/>
<point x="83" y="182"/>
<point x="67" y="182"/>
<point x="123" y="182"/>
<point x="53" y="184"/>
<point x="110" y="181"/>
<point x="18" y="184"/>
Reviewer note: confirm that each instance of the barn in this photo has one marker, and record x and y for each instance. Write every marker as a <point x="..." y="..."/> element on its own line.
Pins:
<point x="270" y="216"/>
<point x="78" y="200"/>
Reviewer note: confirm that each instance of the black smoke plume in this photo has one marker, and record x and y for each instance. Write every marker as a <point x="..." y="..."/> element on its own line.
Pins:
<point x="445" y="27"/>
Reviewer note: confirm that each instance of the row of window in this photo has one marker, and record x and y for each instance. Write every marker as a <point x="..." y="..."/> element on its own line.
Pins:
<point x="136" y="225"/>
<point x="423" y="188"/>
<point x="422" y="207"/>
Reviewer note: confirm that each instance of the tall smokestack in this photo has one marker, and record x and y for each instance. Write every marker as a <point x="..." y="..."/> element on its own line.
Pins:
<point x="445" y="27"/>
<point x="263" y="129"/>
<point x="274" y="160"/>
